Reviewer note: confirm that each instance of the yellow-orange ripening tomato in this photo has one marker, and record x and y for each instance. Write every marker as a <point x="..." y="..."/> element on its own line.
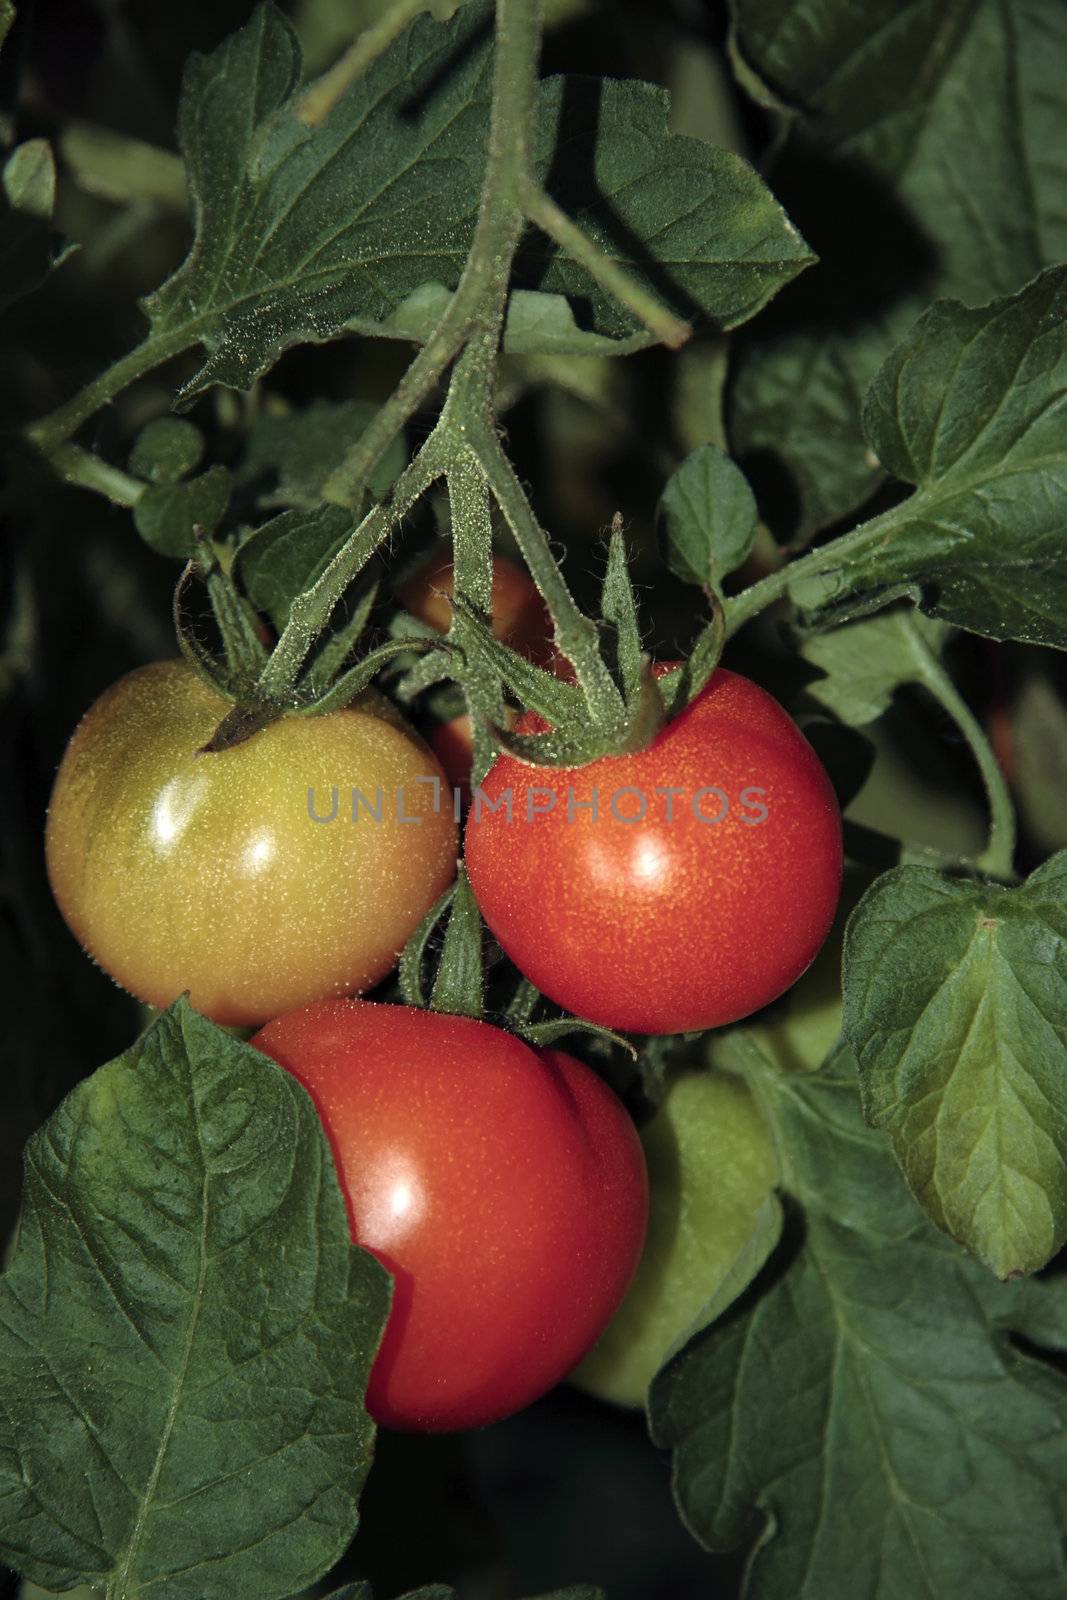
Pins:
<point x="284" y="870"/>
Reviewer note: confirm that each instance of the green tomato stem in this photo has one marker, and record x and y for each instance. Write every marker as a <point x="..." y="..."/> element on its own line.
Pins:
<point x="81" y="467"/>
<point x="839" y="552"/>
<point x="310" y="611"/>
<point x="576" y="635"/>
<point x="481" y="294"/>
<point x="998" y="857"/>
<point x="56" y="428"/>
<point x="545" y="214"/>
<point x="320" y="97"/>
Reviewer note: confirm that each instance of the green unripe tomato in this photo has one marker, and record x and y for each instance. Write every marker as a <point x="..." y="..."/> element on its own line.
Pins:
<point x="711" y="1165"/>
<point x="804" y="1026"/>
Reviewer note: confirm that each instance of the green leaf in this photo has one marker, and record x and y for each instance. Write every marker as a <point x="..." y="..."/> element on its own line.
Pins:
<point x="535" y="324"/>
<point x="544" y="325"/>
<point x="863" y="1398"/>
<point x="284" y="557"/>
<point x="708" y="516"/>
<point x="288" y="458"/>
<point x="693" y="222"/>
<point x="167" y="450"/>
<point x="413" y="955"/>
<point x="400" y="158"/>
<point x="301" y="229"/>
<point x="865" y="662"/>
<point x="186" y="1332"/>
<point x="168" y="515"/>
<point x="956" y="1008"/>
<point x="926" y="157"/>
<point x="619" y="609"/>
<point x="971" y="407"/>
<point x="30" y="179"/>
<point x="543" y="1034"/>
<point x="7" y="17"/>
<point x="459" y="986"/>
<point x="29" y="248"/>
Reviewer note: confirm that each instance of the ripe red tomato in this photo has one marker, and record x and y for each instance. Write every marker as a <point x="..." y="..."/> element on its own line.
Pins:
<point x="503" y="1187"/>
<point x="519" y="615"/>
<point x="222" y="874"/>
<point x="700" y="890"/>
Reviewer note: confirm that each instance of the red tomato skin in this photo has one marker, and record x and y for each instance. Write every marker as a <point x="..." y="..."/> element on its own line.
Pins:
<point x="657" y="926"/>
<point x="503" y="1187"/>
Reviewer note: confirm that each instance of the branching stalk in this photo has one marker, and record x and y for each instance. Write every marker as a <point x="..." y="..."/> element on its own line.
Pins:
<point x="320" y="97"/>
<point x="81" y="467"/>
<point x="840" y="552"/>
<point x="543" y="211"/>
<point x="55" y="429"/>
<point x="576" y="634"/>
<point x="311" y="611"/>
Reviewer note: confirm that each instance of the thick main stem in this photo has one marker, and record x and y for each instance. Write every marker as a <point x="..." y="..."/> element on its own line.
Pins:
<point x="310" y="611"/>
<point x="477" y="308"/>
<point x="481" y="295"/>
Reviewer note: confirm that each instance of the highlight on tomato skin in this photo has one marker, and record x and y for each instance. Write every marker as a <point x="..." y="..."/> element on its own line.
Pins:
<point x="503" y="1186"/>
<point x="229" y="874"/>
<point x="684" y="886"/>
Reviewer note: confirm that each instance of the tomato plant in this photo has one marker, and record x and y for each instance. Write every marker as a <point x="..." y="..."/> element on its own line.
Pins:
<point x="684" y="886"/>
<point x="517" y="612"/>
<point x="711" y="1166"/>
<point x="413" y="371"/>
<point x="251" y="877"/>
<point x="518" y="617"/>
<point x="503" y="1187"/>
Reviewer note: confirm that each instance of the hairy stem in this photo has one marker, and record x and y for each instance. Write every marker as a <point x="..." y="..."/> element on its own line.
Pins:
<point x="320" y="97"/>
<point x="311" y="610"/>
<point x="481" y="294"/>
<point x="543" y="211"/>
<point x="999" y="854"/>
<point x="74" y="465"/>
<point x="840" y="552"/>
<point x="472" y="532"/>
<point x="51" y="431"/>
<point x="576" y="635"/>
